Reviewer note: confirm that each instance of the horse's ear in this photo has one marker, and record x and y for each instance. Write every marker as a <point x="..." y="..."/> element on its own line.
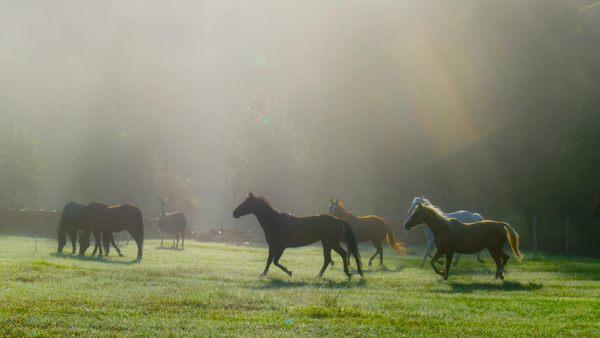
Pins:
<point x="250" y="194"/>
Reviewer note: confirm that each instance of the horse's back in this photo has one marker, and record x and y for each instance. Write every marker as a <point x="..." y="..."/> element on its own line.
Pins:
<point x="367" y="228"/>
<point x="465" y="216"/>
<point x="174" y="221"/>
<point x="301" y="231"/>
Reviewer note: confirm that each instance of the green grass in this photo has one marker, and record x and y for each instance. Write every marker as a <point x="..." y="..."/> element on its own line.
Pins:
<point x="214" y="289"/>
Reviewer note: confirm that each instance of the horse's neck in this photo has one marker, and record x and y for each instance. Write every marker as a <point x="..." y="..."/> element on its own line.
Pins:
<point x="436" y="223"/>
<point x="266" y="218"/>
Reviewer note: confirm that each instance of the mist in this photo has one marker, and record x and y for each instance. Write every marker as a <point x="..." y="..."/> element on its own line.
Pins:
<point x="370" y="102"/>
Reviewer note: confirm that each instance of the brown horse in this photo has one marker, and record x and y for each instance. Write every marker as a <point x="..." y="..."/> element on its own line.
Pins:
<point x="106" y="220"/>
<point x="286" y="231"/>
<point x="71" y="222"/>
<point x="173" y="223"/>
<point x="453" y="236"/>
<point x="368" y="228"/>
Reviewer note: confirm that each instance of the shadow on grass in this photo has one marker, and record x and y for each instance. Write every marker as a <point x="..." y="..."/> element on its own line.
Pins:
<point x="504" y="286"/>
<point x="276" y="283"/>
<point x="169" y="248"/>
<point x="94" y="259"/>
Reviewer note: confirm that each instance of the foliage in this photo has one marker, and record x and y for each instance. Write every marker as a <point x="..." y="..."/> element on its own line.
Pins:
<point x="22" y="166"/>
<point x="176" y="190"/>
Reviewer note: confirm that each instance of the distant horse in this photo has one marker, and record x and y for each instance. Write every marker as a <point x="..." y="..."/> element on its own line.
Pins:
<point x="461" y="215"/>
<point x="173" y="223"/>
<point x="106" y="220"/>
<point x="368" y="228"/>
<point x="286" y="231"/>
<point x="71" y="222"/>
<point x="451" y="235"/>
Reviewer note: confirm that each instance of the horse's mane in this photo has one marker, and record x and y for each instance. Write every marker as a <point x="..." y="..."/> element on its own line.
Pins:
<point x="265" y="201"/>
<point x="427" y="204"/>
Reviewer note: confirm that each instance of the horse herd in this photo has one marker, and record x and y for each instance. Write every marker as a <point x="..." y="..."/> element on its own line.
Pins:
<point x="451" y="235"/>
<point x="460" y="232"/>
<point x="79" y="221"/>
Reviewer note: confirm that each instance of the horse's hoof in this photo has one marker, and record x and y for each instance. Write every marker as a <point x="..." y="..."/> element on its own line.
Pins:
<point x="120" y="255"/>
<point x="290" y="273"/>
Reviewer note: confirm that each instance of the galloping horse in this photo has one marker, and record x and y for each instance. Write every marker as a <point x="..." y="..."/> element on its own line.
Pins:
<point x="106" y="220"/>
<point x="452" y="235"/>
<point x="461" y="215"/>
<point x="286" y="231"/>
<point x="368" y="228"/>
<point x="173" y="223"/>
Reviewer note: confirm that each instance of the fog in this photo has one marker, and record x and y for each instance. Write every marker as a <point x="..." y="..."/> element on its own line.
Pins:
<point x="388" y="95"/>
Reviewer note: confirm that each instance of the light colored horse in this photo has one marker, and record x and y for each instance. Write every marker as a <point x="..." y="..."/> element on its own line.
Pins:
<point x="461" y="215"/>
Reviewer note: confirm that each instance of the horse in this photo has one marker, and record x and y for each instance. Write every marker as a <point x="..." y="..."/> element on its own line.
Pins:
<point x="452" y="235"/>
<point x="461" y="215"/>
<point x="172" y="223"/>
<point x="106" y="220"/>
<point x="368" y="228"/>
<point x="71" y="221"/>
<point x="286" y="231"/>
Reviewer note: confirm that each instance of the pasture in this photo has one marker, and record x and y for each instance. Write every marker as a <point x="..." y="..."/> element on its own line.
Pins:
<point x="214" y="289"/>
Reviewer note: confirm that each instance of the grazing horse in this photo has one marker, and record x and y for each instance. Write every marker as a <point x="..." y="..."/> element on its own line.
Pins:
<point x="461" y="215"/>
<point x="71" y="221"/>
<point x="368" y="228"/>
<point x="106" y="220"/>
<point x="452" y="235"/>
<point x="286" y="231"/>
<point x="173" y="223"/>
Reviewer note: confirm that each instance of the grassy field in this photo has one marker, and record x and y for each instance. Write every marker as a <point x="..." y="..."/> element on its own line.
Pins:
<point x="214" y="289"/>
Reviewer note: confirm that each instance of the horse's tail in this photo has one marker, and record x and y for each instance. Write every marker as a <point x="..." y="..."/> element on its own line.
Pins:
<point x="350" y="240"/>
<point x="398" y="246"/>
<point x="513" y="239"/>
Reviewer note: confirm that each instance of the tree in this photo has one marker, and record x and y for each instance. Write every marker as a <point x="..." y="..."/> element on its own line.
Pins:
<point x="113" y="166"/>
<point x="176" y="190"/>
<point x="22" y="166"/>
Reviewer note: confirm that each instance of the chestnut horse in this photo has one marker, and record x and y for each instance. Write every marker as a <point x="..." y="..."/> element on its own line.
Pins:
<point x="286" y="231"/>
<point x="106" y="220"/>
<point x="453" y="236"/>
<point x="369" y="228"/>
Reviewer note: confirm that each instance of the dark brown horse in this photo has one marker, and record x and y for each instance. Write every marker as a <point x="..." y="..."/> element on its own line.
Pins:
<point x="173" y="223"/>
<point x="369" y="228"/>
<point x="71" y="222"/>
<point x="106" y="220"/>
<point x="453" y="236"/>
<point x="286" y="231"/>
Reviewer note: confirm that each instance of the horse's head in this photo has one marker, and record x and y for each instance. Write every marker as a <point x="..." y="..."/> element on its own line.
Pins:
<point x="251" y="205"/>
<point x="335" y="206"/>
<point x="415" y="216"/>
<point x="62" y="239"/>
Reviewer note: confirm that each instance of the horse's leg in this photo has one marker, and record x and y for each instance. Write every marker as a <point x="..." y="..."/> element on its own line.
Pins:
<point x="326" y="258"/>
<point x="435" y="257"/>
<point x="138" y="237"/>
<point x="112" y="241"/>
<point x="182" y="238"/>
<point x="448" y="263"/>
<point x="479" y="258"/>
<point x="498" y="261"/>
<point x="106" y="239"/>
<point x="73" y="237"/>
<point x="428" y="250"/>
<point x="375" y="254"/>
<point x="276" y="257"/>
<point x="177" y="236"/>
<point x="269" y="260"/>
<point x="504" y="257"/>
<point x="345" y="257"/>
<point x="456" y="260"/>
<point x="380" y="249"/>
<point x="162" y="239"/>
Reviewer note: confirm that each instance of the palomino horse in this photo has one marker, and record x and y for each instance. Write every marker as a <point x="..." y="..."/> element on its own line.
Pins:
<point x="286" y="231"/>
<point x="106" y="220"/>
<point x="368" y="228"/>
<point x="461" y="215"/>
<point x="453" y="236"/>
<point x="173" y="223"/>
